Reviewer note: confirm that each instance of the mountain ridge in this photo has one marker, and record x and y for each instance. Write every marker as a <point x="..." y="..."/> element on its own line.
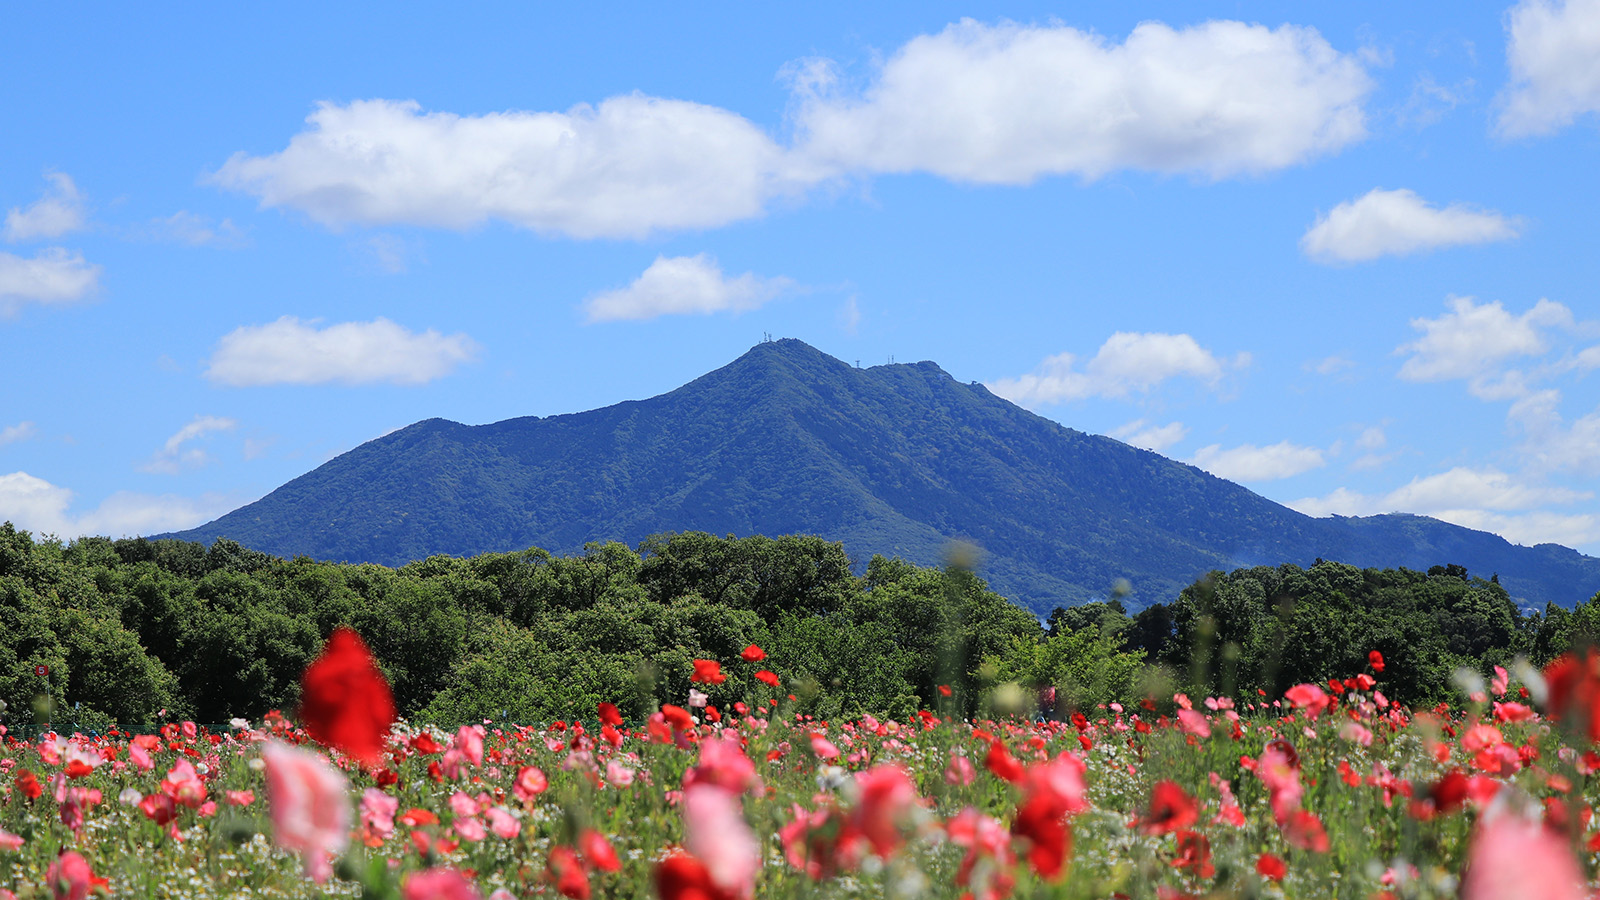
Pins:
<point x="896" y="459"/>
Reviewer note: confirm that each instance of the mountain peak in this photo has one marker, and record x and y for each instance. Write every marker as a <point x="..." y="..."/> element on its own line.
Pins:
<point x="892" y="459"/>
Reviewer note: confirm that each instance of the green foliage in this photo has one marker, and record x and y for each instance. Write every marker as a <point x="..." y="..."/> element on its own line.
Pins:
<point x="131" y="628"/>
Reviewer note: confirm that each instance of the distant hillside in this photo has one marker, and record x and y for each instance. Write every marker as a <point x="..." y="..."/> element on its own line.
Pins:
<point x="894" y="460"/>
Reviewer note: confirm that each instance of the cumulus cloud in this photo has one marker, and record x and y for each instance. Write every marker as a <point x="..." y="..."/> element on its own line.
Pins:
<point x="999" y="104"/>
<point x="52" y="276"/>
<point x="290" y="351"/>
<point x="1472" y="341"/>
<point x="174" y="456"/>
<point x="684" y="285"/>
<point x="19" y="432"/>
<point x="1486" y="499"/>
<point x="1149" y="436"/>
<point x="628" y="167"/>
<point x="1007" y="103"/>
<point x="1127" y="362"/>
<point x="1554" y="53"/>
<point x="1248" y="463"/>
<point x="1398" y="223"/>
<point x="59" y="211"/>
<point x="36" y="505"/>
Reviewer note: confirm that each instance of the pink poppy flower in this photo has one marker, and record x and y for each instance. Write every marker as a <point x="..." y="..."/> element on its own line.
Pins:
<point x="438" y="884"/>
<point x="1516" y="859"/>
<point x="307" y="799"/>
<point x="716" y="832"/>
<point x="503" y="823"/>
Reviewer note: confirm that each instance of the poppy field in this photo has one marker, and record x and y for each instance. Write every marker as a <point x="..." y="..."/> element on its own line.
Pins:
<point x="1328" y="791"/>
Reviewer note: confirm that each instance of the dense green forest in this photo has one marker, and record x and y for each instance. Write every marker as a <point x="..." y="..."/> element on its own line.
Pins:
<point x="134" y="629"/>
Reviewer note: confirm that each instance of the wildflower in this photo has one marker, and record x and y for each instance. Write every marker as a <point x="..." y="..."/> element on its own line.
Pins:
<point x="887" y="796"/>
<point x="530" y="783"/>
<point x="1170" y="809"/>
<point x="183" y="784"/>
<point x="767" y="678"/>
<point x="753" y="653"/>
<point x="1195" y="723"/>
<point x="1304" y="830"/>
<point x="306" y="797"/>
<point x="1375" y="660"/>
<point x="1271" y="867"/>
<point x="1000" y="762"/>
<point x="1574" y="690"/>
<point x="716" y="833"/>
<point x="438" y="884"/>
<point x="597" y="851"/>
<point x="9" y="841"/>
<point x="377" y="816"/>
<point x="986" y="867"/>
<point x="1512" y="858"/>
<point x="1308" y="697"/>
<point x="707" y="671"/>
<point x="724" y="764"/>
<point x="70" y="877"/>
<point x="683" y="877"/>
<point x="960" y="771"/>
<point x="1052" y="791"/>
<point x="567" y="873"/>
<point x="1194" y="854"/>
<point x="610" y="715"/>
<point x="346" y="703"/>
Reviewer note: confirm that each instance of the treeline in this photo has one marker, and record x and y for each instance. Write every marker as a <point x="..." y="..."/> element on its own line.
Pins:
<point x="131" y="629"/>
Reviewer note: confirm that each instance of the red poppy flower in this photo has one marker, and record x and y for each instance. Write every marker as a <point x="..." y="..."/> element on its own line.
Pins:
<point x="1170" y="809"/>
<point x="677" y="716"/>
<point x="597" y="851"/>
<point x="28" y="783"/>
<point x="682" y="877"/>
<point x="568" y="874"/>
<point x="1574" y="686"/>
<point x="346" y="702"/>
<point x="1194" y="854"/>
<point x="1271" y="867"/>
<point x="610" y="715"/>
<point x="1000" y="761"/>
<point x="768" y="678"/>
<point x="1304" y="830"/>
<point x="944" y="690"/>
<point x="1375" y="660"/>
<point x="707" y="671"/>
<point x="753" y="653"/>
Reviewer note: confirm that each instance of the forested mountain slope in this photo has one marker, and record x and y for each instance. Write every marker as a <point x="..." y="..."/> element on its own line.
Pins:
<point x="894" y="460"/>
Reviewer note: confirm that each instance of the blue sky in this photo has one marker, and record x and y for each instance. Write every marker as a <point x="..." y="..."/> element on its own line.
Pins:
<point x="1340" y="253"/>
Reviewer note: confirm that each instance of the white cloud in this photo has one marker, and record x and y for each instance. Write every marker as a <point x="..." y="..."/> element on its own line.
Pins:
<point x="59" y="211"/>
<point x="19" y="432"/>
<point x="1247" y="462"/>
<point x="1554" y="54"/>
<point x="173" y="457"/>
<point x="52" y="276"/>
<point x="1485" y="499"/>
<point x="289" y="351"/>
<point x="850" y="316"/>
<point x="1397" y="223"/>
<point x="1372" y="438"/>
<point x="1009" y="103"/>
<point x="1472" y="341"/>
<point x="1140" y="433"/>
<point x="684" y="285"/>
<point x="1553" y="445"/>
<point x="628" y="167"/>
<point x="1331" y="365"/>
<point x="1127" y="362"/>
<point x="184" y="227"/>
<point x="975" y="103"/>
<point x="38" y="506"/>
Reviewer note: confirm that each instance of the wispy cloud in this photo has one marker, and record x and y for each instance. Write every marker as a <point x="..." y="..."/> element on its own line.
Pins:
<point x="1127" y="363"/>
<point x="58" y="212"/>
<point x="51" y="276"/>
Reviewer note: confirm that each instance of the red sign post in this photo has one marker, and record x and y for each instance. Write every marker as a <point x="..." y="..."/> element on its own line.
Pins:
<point x="41" y="670"/>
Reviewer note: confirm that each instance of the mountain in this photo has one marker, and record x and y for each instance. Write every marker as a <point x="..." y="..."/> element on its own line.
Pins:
<point x="893" y="459"/>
